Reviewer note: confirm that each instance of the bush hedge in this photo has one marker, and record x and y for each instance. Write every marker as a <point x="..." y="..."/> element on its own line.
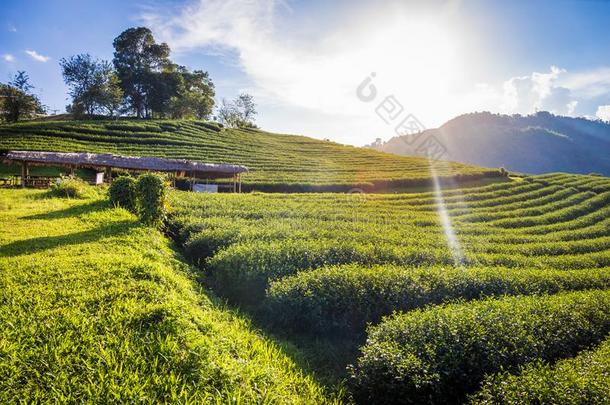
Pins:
<point x="584" y="379"/>
<point x="343" y="299"/>
<point x="441" y="354"/>
<point x="152" y="192"/>
<point x="123" y="193"/>
<point x="72" y="187"/>
<point x="243" y="270"/>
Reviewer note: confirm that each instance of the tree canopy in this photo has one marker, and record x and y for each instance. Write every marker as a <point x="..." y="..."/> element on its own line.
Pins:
<point x="17" y="101"/>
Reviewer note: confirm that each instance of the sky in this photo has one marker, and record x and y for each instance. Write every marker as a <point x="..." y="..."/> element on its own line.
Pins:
<point x="341" y="70"/>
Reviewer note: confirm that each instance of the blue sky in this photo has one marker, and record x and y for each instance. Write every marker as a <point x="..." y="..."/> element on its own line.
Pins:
<point x="304" y="60"/>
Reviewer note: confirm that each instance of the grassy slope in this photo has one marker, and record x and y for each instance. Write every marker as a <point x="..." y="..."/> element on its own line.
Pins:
<point x="93" y="307"/>
<point x="274" y="159"/>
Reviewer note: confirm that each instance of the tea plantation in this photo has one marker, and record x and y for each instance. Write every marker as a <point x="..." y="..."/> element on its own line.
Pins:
<point x="277" y="162"/>
<point x="489" y="294"/>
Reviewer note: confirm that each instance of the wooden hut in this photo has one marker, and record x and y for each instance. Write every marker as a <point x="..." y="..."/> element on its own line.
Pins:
<point x="106" y="162"/>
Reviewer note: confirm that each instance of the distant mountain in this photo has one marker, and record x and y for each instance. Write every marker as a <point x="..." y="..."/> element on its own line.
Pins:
<point x="535" y="144"/>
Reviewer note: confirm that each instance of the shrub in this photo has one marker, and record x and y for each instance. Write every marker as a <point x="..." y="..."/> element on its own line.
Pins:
<point x="152" y="192"/>
<point x="123" y="193"/>
<point x="343" y="299"/>
<point x="443" y="353"/>
<point x="72" y="187"/>
<point x="243" y="270"/>
<point x="581" y="380"/>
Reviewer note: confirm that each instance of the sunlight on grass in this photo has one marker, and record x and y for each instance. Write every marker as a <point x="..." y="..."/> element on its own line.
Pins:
<point x="94" y="307"/>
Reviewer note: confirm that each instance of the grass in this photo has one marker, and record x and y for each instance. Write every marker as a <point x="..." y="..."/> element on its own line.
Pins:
<point x="95" y="307"/>
<point x="277" y="162"/>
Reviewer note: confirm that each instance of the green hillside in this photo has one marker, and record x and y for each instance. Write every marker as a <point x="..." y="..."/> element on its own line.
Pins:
<point x="277" y="162"/>
<point x="95" y="308"/>
<point x="323" y="266"/>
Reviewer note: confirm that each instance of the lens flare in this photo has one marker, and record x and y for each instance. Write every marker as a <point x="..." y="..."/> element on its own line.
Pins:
<point x="452" y="241"/>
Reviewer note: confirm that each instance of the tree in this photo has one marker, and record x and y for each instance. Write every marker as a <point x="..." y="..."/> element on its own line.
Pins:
<point x="247" y="108"/>
<point x="238" y="113"/>
<point x="94" y="86"/>
<point x="16" y="100"/>
<point x="194" y="97"/>
<point x="137" y="60"/>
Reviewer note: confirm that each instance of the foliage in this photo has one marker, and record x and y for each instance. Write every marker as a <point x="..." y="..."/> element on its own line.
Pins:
<point x="151" y="197"/>
<point x="581" y="380"/>
<point x="94" y="86"/>
<point x="276" y="162"/>
<point x="442" y="353"/>
<point x="318" y="267"/>
<point x="238" y="113"/>
<point x="95" y="309"/>
<point x="123" y="193"/>
<point x="137" y="57"/>
<point x="343" y="299"/>
<point x="72" y="187"/>
<point x="17" y="101"/>
<point x="153" y="85"/>
<point x="194" y="95"/>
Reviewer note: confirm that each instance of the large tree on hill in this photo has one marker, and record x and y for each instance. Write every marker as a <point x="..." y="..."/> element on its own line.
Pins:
<point x="94" y="86"/>
<point x="138" y="61"/>
<point x="194" y="95"/>
<point x="17" y="100"/>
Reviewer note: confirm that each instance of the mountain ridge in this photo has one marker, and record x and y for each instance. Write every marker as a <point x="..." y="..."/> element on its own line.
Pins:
<point x="538" y="143"/>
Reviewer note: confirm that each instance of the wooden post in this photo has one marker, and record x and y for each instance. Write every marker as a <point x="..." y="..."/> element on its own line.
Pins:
<point x="72" y="170"/>
<point x="24" y="173"/>
<point x="239" y="180"/>
<point x="109" y="174"/>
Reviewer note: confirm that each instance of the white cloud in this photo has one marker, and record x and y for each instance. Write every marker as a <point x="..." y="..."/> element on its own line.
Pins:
<point x="603" y="112"/>
<point x="8" y="57"/>
<point x="321" y="71"/>
<point x="37" y="57"/>
<point x="304" y="79"/>
<point x="538" y="91"/>
<point x="590" y="83"/>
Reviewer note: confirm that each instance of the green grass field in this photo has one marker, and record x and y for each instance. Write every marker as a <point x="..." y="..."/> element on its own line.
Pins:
<point x="277" y="162"/>
<point x="96" y="308"/>
<point x="485" y="280"/>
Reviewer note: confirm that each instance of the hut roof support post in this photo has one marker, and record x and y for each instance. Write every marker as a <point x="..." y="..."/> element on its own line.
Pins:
<point x="24" y="173"/>
<point x="109" y="174"/>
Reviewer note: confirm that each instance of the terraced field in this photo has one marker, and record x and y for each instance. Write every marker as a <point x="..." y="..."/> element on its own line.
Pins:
<point x="493" y="284"/>
<point x="277" y="162"/>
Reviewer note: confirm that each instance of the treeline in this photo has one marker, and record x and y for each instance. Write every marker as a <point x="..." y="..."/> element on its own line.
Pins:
<point x="141" y="81"/>
<point x="17" y="101"/>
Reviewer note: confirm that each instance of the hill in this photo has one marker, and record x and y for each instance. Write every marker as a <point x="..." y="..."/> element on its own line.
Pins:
<point x="482" y="281"/>
<point x="534" y="144"/>
<point x="277" y="162"/>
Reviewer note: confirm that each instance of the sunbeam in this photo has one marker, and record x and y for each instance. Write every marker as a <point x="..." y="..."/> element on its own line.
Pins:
<point x="452" y="241"/>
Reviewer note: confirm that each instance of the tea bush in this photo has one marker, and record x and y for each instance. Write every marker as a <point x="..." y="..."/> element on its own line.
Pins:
<point x="151" y="193"/>
<point x="123" y="193"/>
<point x="584" y="380"/>
<point x="343" y="299"/>
<point x="443" y="353"/>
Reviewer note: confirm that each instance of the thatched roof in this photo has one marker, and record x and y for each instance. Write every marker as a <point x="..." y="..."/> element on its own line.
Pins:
<point x="124" y="162"/>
